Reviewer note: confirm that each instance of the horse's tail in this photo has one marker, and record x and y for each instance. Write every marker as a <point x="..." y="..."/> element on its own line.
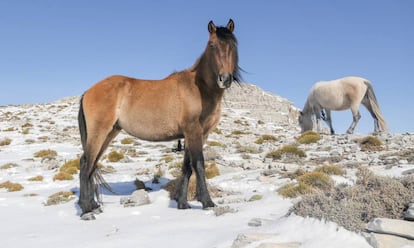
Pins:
<point x="82" y="124"/>
<point x="375" y="109"/>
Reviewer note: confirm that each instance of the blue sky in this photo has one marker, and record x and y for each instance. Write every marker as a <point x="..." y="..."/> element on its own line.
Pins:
<point x="52" y="49"/>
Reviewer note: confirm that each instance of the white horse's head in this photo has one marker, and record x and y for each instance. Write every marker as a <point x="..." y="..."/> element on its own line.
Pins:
<point x="305" y="121"/>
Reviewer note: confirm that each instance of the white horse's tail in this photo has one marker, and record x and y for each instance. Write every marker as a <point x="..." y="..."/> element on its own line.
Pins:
<point x="374" y="107"/>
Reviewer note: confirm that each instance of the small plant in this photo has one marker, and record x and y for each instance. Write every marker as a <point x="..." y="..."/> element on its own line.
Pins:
<point x="370" y="143"/>
<point x="62" y="176"/>
<point x="8" y="166"/>
<point x="167" y="159"/>
<point x="25" y="131"/>
<point x="217" y="131"/>
<point x="11" y="187"/>
<point x="5" y="142"/>
<point x="292" y="190"/>
<point x="211" y="169"/>
<point x="127" y="140"/>
<point x="115" y="156"/>
<point x="215" y="143"/>
<point x="27" y="124"/>
<point x="297" y="173"/>
<point x="331" y="170"/>
<point x="248" y="149"/>
<point x="45" y="154"/>
<point x="237" y="132"/>
<point x="316" y="179"/>
<point x="255" y="198"/>
<point x="308" y="137"/>
<point x="9" y="129"/>
<point x="286" y="150"/>
<point x="36" y="179"/>
<point x="265" y="138"/>
<point x="59" y="198"/>
<point x="71" y="166"/>
<point x="260" y="122"/>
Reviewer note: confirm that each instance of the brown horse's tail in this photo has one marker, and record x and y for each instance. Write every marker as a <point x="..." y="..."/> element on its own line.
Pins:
<point x="82" y="124"/>
<point x="374" y="107"/>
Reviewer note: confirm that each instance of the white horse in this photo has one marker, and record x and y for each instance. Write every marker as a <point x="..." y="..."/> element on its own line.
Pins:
<point x="341" y="94"/>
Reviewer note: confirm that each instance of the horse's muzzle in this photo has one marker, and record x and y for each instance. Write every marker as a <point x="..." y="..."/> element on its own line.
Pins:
<point x="224" y="80"/>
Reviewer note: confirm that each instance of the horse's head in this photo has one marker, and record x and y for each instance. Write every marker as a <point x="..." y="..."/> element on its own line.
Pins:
<point x="222" y="47"/>
<point x="305" y="121"/>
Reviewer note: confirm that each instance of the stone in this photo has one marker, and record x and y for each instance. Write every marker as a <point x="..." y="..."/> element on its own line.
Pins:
<point x="400" y="228"/>
<point x="138" y="198"/>
<point x="409" y="213"/>
<point x="256" y="222"/>
<point x="377" y="240"/>
<point x="279" y="245"/>
<point x="245" y="239"/>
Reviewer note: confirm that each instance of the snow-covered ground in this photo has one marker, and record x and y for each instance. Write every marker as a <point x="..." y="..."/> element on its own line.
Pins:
<point x="27" y="222"/>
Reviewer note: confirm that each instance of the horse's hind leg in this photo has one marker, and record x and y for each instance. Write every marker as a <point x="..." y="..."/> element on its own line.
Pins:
<point x="88" y="188"/>
<point x="328" y="119"/>
<point x="355" y="118"/>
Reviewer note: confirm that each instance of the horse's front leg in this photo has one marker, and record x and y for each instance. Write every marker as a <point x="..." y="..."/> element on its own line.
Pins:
<point x="328" y="119"/>
<point x="195" y="147"/>
<point x="182" y="189"/>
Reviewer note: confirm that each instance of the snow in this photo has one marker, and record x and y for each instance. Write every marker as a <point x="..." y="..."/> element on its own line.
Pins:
<point x="27" y="222"/>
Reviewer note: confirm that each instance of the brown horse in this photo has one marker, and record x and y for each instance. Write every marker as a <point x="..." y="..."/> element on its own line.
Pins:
<point x="186" y="104"/>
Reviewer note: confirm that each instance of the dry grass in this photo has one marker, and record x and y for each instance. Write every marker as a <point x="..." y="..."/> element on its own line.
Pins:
<point x="5" y="142"/>
<point x="115" y="156"/>
<point x="38" y="178"/>
<point x="8" y="166"/>
<point x="59" y="198"/>
<point x="266" y="138"/>
<point x="331" y="170"/>
<point x="11" y="187"/>
<point x="48" y="153"/>
<point x="211" y="169"/>
<point x="287" y="150"/>
<point x="370" y="143"/>
<point x="308" y="137"/>
<point x="62" y="176"/>
<point x="353" y="206"/>
<point x="71" y="166"/>
<point x="127" y="141"/>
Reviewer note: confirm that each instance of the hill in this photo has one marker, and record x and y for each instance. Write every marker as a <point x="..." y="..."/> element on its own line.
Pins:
<point x="250" y="212"/>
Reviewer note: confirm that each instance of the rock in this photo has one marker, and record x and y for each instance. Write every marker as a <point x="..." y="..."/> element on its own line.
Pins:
<point x="245" y="239"/>
<point x="138" y="198"/>
<point x="377" y="240"/>
<point x="279" y="245"/>
<point x="392" y="226"/>
<point x="255" y="222"/>
<point x="409" y="213"/>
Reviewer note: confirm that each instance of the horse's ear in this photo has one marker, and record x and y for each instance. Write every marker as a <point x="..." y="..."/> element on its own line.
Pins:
<point x="211" y="27"/>
<point x="230" y="25"/>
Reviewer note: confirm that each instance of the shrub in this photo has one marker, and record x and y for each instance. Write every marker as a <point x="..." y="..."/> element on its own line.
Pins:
<point x="370" y="143"/>
<point x="71" y="166"/>
<point x="286" y="150"/>
<point x="167" y="159"/>
<point x="8" y="166"/>
<point x="308" y="137"/>
<point x="295" y="174"/>
<point x="248" y="149"/>
<point x="215" y="143"/>
<point x="45" y="154"/>
<point x="217" y="131"/>
<point x="11" y="187"/>
<point x="62" y="176"/>
<point x="127" y="140"/>
<point x="36" y="178"/>
<point x="316" y="179"/>
<point x="211" y="169"/>
<point x="292" y="190"/>
<point x="237" y="132"/>
<point x="25" y="131"/>
<point x="115" y="156"/>
<point x="5" y="142"/>
<point x="353" y="206"/>
<point x="266" y="137"/>
<point x="331" y="170"/>
<point x="59" y="198"/>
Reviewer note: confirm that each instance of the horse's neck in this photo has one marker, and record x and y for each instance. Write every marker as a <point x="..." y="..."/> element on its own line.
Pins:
<point x="206" y="80"/>
<point x="307" y="109"/>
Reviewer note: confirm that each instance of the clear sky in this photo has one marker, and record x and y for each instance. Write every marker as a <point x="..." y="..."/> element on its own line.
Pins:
<point x="51" y="49"/>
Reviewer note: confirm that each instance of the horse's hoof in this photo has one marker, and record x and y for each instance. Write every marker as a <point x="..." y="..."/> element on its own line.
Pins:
<point x="208" y="204"/>
<point x="88" y="216"/>
<point x="97" y="210"/>
<point x="183" y="205"/>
